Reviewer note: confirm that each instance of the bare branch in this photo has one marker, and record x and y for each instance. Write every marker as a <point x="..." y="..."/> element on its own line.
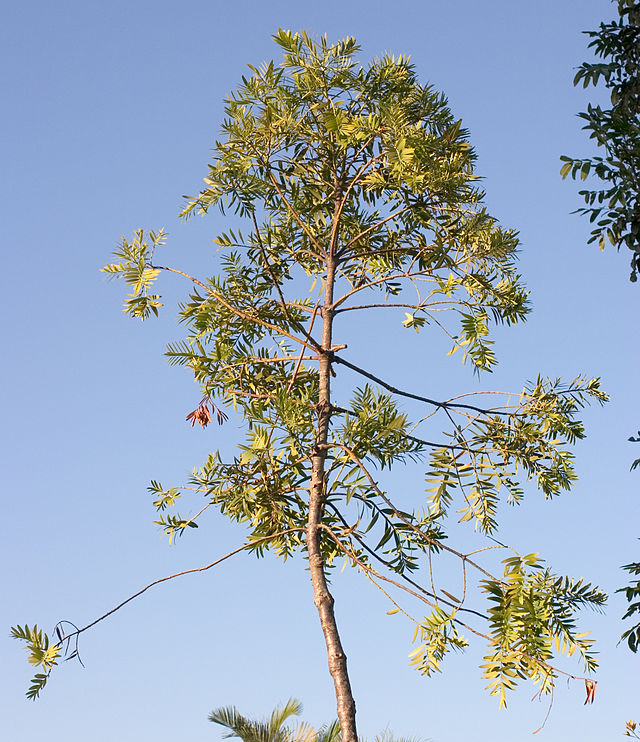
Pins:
<point x="418" y="397"/>
<point x="301" y="357"/>
<point x="407" y="579"/>
<point x="180" y="574"/>
<point x="267" y="265"/>
<point x="415" y="307"/>
<point x="367" y="569"/>
<point x="430" y="444"/>
<point x="377" y="281"/>
<point x="357" y="176"/>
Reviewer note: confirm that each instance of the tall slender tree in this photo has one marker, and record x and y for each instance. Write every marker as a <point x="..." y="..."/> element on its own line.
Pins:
<point x="358" y="190"/>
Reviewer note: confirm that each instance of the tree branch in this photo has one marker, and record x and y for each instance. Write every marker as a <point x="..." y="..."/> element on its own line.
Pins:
<point x="180" y="574"/>
<point x="295" y="214"/>
<point x="486" y="637"/>
<point x="407" y="579"/>
<point x="412" y="526"/>
<point x="418" y="397"/>
<point x="234" y="310"/>
<point x="373" y="227"/>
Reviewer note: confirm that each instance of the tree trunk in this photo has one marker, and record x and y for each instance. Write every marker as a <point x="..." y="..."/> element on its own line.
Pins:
<point x="346" y="707"/>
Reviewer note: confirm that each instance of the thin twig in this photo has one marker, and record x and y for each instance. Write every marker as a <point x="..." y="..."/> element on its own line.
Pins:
<point x="185" y="572"/>
<point x="389" y="566"/>
<point x="486" y="637"/>
<point x="295" y="214"/>
<point x="412" y="526"/>
<point x="373" y="227"/>
<point x="431" y="444"/>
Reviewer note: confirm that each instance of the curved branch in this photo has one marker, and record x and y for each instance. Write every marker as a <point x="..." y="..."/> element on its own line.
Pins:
<point x="373" y="227"/>
<point x="301" y="356"/>
<point x="377" y="281"/>
<point x="494" y="642"/>
<point x="295" y="214"/>
<point x="234" y="310"/>
<point x="416" y="307"/>
<point x="420" y="398"/>
<point x="413" y="438"/>
<point x="357" y="176"/>
<point x="412" y="526"/>
<point x="180" y="574"/>
<point x="389" y="566"/>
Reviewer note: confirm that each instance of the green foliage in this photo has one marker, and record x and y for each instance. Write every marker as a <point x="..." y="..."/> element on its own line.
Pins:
<point x="636" y="463"/>
<point x="532" y="610"/>
<point x="614" y="209"/>
<point x="42" y="653"/>
<point x="362" y="178"/>
<point x="632" y="594"/>
<point x="273" y="729"/>
<point x="375" y="431"/>
<point x="530" y="614"/>
<point x="356" y="188"/>
<point x="487" y="455"/>
<point x="135" y="258"/>
<point x="439" y="635"/>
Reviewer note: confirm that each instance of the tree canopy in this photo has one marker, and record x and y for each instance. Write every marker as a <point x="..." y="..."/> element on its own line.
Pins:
<point x="358" y="194"/>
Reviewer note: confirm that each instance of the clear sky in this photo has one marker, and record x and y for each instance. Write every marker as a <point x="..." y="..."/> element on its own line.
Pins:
<point x="110" y="112"/>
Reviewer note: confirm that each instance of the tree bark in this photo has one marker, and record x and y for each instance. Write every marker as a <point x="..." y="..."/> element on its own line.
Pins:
<point x="346" y="707"/>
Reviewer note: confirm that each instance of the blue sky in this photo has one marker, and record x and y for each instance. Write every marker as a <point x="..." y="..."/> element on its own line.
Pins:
<point x="111" y="110"/>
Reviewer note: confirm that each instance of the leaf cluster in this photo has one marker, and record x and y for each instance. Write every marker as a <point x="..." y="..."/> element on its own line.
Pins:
<point x="490" y="453"/>
<point x="134" y="266"/>
<point x="532" y="611"/>
<point x="45" y="653"/>
<point x="42" y="653"/>
<point x="274" y="728"/>
<point x="632" y="729"/>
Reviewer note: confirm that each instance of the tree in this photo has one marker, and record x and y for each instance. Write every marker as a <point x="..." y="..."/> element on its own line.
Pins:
<point x="358" y="191"/>
<point x="614" y="208"/>
<point x="273" y="730"/>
